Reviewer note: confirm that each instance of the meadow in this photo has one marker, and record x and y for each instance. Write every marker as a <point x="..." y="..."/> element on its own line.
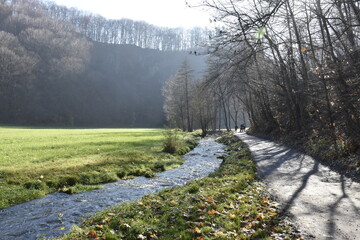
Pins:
<point x="37" y="161"/>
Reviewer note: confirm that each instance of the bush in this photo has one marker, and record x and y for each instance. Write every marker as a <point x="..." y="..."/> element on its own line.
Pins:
<point x="175" y="143"/>
<point x="171" y="143"/>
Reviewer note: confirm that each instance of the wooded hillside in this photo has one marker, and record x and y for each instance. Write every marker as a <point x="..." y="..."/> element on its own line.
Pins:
<point x="61" y="66"/>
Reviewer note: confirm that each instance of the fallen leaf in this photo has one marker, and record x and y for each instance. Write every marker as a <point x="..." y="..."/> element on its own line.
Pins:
<point x="196" y="230"/>
<point x="199" y="224"/>
<point x="92" y="234"/>
<point x="260" y="216"/>
<point x="153" y="236"/>
<point x="249" y="225"/>
<point x="273" y="214"/>
<point x="99" y="226"/>
<point x="202" y="206"/>
<point x="209" y="201"/>
<point x="219" y="234"/>
<point x="231" y="216"/>
<point x="212" y="212"/>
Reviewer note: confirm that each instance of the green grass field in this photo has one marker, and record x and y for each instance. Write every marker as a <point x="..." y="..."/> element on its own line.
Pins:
<point x="37" y="161"/>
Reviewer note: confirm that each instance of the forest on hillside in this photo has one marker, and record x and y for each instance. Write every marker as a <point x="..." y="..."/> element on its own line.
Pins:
<point x="61" y="66"/>
<point x="293" y="66"/>
<point x="127" y="31"/>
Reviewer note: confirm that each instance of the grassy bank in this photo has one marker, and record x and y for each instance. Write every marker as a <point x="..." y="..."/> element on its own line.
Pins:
<point x="229" y="204"/>
<point x="37" y="161"/>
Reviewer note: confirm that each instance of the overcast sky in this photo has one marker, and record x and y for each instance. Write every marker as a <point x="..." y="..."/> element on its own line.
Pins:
<point x="168" y="13"/>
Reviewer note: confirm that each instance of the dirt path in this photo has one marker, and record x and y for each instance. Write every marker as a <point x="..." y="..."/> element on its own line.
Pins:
<point x="322" y="203"/>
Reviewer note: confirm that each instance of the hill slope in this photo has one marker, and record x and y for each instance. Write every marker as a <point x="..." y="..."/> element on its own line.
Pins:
<point x="121" y="86"/>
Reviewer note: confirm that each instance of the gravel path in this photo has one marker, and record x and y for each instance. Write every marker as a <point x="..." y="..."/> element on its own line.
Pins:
<point x="322" y="203"/>
<point x="40" y="217"/>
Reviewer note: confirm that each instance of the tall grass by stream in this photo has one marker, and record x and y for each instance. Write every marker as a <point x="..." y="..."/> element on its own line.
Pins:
<point x="37" y="161"/>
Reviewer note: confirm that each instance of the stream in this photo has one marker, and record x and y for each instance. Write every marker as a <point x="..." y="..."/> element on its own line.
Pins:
<point x="39" y="218"/>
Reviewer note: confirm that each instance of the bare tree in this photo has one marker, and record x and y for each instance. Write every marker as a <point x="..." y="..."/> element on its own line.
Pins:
<point x="178" y="91"/>
<point x="298" y="67"/>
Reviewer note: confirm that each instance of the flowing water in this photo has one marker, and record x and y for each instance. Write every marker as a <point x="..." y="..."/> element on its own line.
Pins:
<point x="54" y="214"/>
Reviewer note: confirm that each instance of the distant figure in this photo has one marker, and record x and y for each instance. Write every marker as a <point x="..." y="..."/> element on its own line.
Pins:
<point x="242" y="128"/>
<point x="236" y="128"/>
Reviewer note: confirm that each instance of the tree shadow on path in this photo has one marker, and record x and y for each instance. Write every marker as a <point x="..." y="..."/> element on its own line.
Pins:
<point x="277" y="163"/>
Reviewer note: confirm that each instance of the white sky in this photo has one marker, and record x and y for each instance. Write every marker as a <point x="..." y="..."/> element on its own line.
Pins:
<point x="167" y="13"/>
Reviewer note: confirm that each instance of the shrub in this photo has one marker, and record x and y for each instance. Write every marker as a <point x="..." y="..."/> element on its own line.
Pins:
<point x="171" y="142"/>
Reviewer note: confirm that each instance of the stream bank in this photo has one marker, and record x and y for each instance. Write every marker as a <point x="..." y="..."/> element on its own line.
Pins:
<point x="54" y="214"/>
